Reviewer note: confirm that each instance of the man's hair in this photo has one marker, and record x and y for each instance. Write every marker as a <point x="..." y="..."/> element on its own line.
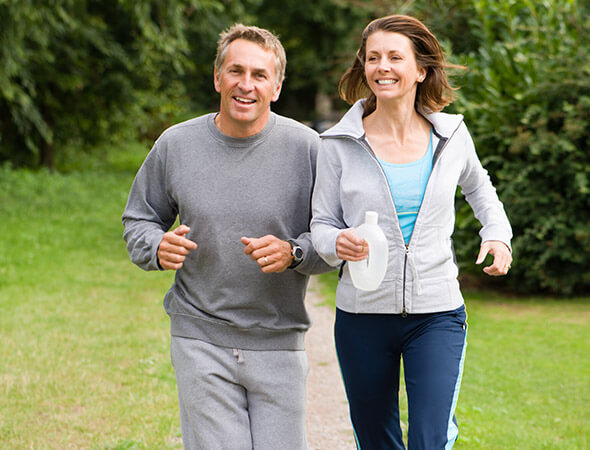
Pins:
<point x="432" y="95"/>
<point x="259" y="36"/>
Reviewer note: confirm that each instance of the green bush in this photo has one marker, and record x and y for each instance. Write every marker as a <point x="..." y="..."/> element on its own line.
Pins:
<point x="527" y="102"/>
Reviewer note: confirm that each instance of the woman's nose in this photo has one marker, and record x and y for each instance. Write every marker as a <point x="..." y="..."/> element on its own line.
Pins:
<point x="384" y="65"/>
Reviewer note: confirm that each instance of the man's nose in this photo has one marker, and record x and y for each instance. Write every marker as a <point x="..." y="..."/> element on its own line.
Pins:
<point x="245" y="83"/>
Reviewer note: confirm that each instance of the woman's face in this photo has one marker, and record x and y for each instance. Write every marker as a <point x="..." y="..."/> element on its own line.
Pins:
<point x="390" y="67"/>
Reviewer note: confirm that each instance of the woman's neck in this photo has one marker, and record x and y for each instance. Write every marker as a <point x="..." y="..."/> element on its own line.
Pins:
<point x="399" y="121"/>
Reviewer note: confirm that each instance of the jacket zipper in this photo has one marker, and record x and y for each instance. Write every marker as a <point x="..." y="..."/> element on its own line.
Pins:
<point x="404" y="312"/>
<point x="435" y="157"/>
<point x="407" y="246"/>
<point x="442" y="143"/>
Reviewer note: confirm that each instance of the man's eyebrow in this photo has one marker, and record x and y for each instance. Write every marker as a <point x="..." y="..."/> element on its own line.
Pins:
<point x="261" y="70"/>
<point x="253" y="69"/>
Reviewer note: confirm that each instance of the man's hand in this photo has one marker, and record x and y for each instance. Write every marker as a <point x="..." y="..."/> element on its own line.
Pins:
<point x="271" y="253"/>
<point x="174" y="247"/>
<point x="502" y="257"/>
<point x="350" y="247"/>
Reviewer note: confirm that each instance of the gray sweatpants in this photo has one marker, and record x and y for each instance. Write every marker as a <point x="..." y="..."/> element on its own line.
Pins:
<point x="233" y="399"/>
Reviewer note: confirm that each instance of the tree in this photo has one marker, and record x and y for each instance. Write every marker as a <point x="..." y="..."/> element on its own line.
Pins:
<point x="320" y="38"/>
<point x="77" y="70"/>
<point x="527" y="102"/>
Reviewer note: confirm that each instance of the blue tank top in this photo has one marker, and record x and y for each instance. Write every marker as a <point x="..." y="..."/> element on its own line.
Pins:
<point x="407" y="183"/>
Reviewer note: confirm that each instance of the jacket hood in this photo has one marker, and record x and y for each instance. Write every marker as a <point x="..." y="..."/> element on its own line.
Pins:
<point x="351" y="123"/>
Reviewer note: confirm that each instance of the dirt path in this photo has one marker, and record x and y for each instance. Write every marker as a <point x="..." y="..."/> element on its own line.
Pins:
<point x="328" y="424"/>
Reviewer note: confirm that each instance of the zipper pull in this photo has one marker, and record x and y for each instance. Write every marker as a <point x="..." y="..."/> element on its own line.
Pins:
<point x="404" y="312"/>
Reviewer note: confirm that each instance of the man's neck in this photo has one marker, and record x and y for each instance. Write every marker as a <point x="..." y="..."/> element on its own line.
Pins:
<point x="237" y="129"/>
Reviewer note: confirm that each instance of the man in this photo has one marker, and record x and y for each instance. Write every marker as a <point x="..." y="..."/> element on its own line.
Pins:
<point x="240" y="182"/>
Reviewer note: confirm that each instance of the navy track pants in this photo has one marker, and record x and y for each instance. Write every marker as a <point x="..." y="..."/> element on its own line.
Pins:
<point x="432" y="346"/>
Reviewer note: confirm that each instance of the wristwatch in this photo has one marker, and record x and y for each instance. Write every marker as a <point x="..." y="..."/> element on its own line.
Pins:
<point x="297" y="253"/>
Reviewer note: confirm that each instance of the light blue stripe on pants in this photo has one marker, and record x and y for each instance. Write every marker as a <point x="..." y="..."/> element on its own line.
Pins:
<point x="240" y="399"/>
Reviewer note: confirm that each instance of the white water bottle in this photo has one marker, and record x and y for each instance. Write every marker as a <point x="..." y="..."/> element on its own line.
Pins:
<point x="367" y="274"/>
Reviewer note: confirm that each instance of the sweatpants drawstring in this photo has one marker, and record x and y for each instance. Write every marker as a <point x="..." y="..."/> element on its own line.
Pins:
<point x="239" y="355"/>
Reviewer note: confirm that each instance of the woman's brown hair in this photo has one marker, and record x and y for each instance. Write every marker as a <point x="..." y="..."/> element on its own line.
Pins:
<point x="432" y="95"/>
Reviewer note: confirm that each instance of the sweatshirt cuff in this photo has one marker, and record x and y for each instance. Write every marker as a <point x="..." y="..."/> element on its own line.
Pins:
<point x="152" y="242"/>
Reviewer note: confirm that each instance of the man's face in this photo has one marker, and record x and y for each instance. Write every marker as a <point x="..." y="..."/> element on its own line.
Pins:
<point x="247" y="84"/>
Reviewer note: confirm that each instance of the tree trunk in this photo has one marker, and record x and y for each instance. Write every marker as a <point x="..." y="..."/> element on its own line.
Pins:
<point x="323" y="105"/>
<point x="47" y="155"/>
<point x="47" y="149"/>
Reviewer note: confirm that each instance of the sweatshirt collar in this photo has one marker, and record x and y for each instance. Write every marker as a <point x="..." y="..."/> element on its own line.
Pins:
<point x="351" y="123"/>
<point x="249" y="141"/>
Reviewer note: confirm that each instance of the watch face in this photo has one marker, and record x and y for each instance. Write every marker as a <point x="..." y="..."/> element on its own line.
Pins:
<point x="297" y="252"/>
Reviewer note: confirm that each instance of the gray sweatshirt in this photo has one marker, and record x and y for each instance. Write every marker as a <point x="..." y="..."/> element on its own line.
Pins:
<point x="422" y="276"/>
<point x="224" y="188"/>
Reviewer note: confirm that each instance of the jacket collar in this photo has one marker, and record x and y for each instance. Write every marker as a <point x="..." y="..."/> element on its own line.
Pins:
<point x="351" y="123"/>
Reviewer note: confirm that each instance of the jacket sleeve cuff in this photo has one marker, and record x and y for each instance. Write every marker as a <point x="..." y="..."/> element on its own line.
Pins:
<point x="325" y="244"/>
<point x="496" y="233"/>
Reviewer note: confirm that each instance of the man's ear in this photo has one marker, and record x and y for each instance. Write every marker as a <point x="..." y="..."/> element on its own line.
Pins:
<point x="216" y="80"/>
<point x="277" y="92"/>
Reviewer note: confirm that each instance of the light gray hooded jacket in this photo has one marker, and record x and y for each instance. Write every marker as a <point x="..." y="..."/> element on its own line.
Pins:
<point x="422" y="276"/>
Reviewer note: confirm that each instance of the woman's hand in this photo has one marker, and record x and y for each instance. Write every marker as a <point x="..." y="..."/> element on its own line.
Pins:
<point x="350" y="247"/>
<point x="502" y="258"/>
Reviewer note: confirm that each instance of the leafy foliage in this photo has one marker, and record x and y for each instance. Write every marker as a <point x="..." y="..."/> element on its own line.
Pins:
<point x="527" y="102"/>
<point x="319" y="37"/>
<point x="77" y="73"/>
<point x="77" y="70"/>
<point x="73" y="69"/>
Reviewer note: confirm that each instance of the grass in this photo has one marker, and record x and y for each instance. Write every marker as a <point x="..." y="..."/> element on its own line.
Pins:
<point x="84" y="354"/>
<point x="526" y="383"/>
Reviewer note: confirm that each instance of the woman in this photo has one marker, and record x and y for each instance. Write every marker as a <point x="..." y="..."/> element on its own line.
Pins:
<point x="394" y="152"/>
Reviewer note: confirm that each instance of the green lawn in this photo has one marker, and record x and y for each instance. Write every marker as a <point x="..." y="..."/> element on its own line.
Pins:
<point x="84" y="359"/>
<point x="84" y="356"/>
